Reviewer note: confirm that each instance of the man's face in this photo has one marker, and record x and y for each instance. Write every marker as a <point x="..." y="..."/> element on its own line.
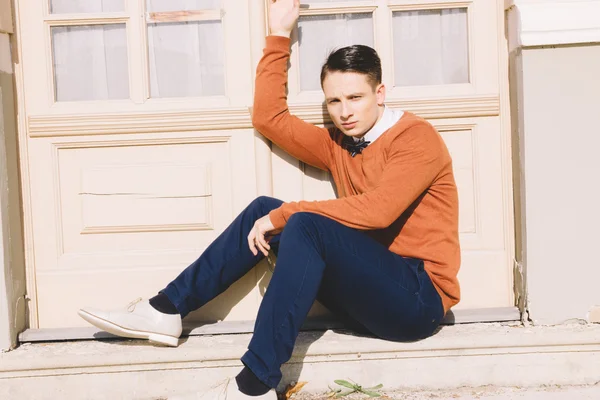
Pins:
<point x="353" y="103"/>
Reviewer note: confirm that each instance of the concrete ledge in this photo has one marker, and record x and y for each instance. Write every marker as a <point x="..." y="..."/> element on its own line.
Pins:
<point x="498" y="314"/>
<point x="461" y="355"/>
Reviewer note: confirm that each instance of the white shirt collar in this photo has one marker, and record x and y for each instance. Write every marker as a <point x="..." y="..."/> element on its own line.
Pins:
<point x="388" y="119"/>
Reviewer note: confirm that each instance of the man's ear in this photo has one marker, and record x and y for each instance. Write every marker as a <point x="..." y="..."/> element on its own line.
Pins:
<point x="380" y="94"/>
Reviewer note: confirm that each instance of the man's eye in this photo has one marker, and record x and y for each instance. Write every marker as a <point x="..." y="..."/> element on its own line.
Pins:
<point x="355" y="97"/>
<point x="333" y="101"/>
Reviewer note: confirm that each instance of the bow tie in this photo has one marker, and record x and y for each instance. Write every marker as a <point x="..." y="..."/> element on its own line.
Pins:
<point x="353" y="147"/>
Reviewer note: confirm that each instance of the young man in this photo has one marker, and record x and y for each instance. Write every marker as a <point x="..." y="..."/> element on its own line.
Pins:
<point x="384" y="255"/>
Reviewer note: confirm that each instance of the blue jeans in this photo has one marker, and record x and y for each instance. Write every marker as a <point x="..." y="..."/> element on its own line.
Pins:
<point x="350" y="273"/>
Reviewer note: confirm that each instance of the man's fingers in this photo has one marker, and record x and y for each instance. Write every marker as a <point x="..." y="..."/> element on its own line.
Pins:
<point x="262" y="248"/>
<point x="261" y="243"/>
<point x="263" y="240"/>
<point x="257" y="242"/>
<point x="251" y="244"/>
<point x="256" y="237"/>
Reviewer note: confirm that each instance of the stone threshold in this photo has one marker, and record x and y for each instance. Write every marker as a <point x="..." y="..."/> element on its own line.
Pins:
<point x="461" y="316"/>
<point x="468" y="355"/>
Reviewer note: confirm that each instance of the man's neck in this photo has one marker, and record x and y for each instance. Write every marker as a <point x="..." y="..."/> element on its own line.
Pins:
<point x="380" y="111"/>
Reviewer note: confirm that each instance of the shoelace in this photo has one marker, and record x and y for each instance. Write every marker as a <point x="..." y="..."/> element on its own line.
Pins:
<point x="131" y="306"/>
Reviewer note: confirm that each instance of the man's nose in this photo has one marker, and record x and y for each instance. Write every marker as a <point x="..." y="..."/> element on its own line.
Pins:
<point x="346" y="110"/>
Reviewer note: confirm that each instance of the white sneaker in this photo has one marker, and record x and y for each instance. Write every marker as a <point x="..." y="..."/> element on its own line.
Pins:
<point x="139" y="320"/>
<point x="226" y="390"/>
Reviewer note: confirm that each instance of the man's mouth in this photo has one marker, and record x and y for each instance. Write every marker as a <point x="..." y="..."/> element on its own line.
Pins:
<point x="349" y="125"/>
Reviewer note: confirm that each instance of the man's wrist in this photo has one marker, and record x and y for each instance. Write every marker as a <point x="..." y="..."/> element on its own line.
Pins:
<point x="281" y="33"/>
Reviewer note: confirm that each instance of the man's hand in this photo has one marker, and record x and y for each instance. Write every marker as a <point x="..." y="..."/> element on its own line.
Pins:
<point x="283" y="15"/>
<point x="256" y="238"/>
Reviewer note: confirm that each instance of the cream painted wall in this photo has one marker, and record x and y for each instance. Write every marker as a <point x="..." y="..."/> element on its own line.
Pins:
<point x="12" y="269"/>
<point x="557" y="103"/>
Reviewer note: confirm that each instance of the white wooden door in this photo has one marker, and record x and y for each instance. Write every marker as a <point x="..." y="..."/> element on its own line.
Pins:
<point x="137" y="147"/>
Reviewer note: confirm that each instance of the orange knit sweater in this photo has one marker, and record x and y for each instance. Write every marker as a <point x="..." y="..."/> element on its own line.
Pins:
<point x="400" y="190"/>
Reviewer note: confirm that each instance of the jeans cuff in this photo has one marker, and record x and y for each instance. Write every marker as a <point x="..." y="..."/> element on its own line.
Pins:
<point x="174" y="298"/>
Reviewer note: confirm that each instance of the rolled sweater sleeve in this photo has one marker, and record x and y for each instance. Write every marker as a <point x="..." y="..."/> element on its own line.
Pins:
<point x="271" y="116"/>
<point x="415" y="159"/>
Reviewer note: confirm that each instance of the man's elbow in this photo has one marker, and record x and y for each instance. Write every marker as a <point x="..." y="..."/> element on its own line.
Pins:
<point x="382" y="221"/>
<point x="259" y="123"/>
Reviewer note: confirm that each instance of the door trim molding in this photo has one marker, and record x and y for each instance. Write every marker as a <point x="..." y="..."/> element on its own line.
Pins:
<point x="109" y="123"/>
<point x="455" y="107"/>
<point x="239" y="118"/>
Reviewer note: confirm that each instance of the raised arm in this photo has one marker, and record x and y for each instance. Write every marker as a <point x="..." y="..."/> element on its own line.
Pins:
<point x="270" y="114"/>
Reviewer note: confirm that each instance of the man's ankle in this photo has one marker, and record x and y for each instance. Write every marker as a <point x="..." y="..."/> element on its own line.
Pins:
<point x="161" y="303"/>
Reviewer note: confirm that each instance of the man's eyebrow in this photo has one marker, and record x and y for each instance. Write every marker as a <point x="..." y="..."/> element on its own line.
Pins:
<point x="348" y="95"/>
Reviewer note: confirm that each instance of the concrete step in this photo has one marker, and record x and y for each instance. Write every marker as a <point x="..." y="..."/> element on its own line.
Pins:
<point x="325" y="322"/>
<point x="547" y="392"/>
<point x="468" y="355"/>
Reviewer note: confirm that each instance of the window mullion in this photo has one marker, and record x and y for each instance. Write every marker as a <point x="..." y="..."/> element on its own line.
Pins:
<point x="237" y="52"/>
<point x="137" y="45"/>
<point x="382" y="23"/>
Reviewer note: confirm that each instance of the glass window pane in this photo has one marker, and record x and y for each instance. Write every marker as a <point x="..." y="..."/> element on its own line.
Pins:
<point x="90" y="62"/>
<point x="182" y="5"/>
<point x="86" y="6"/>
<point x="321" y="34"/>
<point x="186" y="59"/>
<point x="431" y="47"/>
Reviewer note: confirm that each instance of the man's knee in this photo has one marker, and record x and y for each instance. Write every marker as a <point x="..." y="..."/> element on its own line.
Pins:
<point x="300" y="217"/>
<point x="266" y="204"/>
<point x="263" y="199"/>
<point x="304" y="220"/>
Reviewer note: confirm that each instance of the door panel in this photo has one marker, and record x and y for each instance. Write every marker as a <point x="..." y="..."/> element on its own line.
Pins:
<point x="116" y="208"/>
<point x="485" y="275"/>
<point x="124" y="216"/>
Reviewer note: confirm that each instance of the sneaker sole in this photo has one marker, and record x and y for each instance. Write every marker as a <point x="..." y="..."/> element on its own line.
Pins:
<point x="128" y="333"/>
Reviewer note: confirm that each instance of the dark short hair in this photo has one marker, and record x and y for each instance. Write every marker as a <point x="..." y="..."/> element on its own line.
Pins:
<point x="356" y="58"/>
